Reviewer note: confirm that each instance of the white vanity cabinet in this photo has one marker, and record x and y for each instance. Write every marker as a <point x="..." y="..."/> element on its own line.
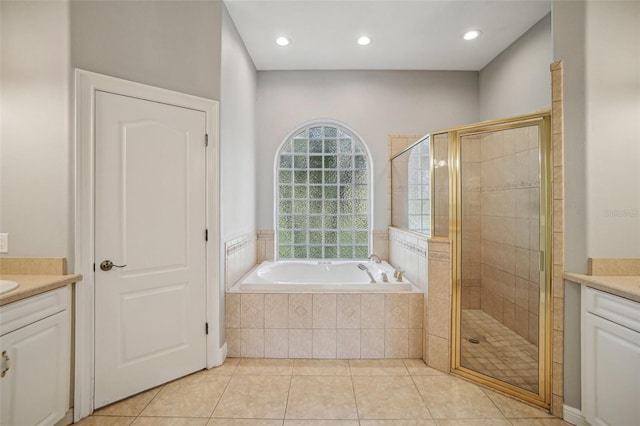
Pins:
<point x="610" y="359"/>
<point x="35" y="347"/>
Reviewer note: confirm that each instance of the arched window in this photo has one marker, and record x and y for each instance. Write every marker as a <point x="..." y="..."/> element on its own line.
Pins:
<point x="323" y="205"/>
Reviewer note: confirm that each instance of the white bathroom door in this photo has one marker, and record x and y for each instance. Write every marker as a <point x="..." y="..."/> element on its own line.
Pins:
<point x="150" y="200"/>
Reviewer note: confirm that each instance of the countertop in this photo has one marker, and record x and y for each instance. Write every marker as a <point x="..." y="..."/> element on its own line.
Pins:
<point x="623" y="286"/>
<point x="30" y="285"/>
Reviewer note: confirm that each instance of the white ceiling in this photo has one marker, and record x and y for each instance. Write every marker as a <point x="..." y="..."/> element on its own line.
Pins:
<point x="407" y="35"/>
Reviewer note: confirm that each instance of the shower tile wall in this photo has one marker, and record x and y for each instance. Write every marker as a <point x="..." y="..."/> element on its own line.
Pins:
<point x="471" y="218"/>
<point x="501" y="210"/>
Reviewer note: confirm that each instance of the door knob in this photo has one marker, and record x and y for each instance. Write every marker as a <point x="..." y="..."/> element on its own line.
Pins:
<point x="107" y="265"/>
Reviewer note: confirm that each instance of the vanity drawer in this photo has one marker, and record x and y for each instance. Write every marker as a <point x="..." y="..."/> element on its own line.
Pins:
<point x="614" y="308"/>
<point x="27" y="311"/>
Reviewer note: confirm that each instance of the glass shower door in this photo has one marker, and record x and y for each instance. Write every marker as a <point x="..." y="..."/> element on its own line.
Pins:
<point x="501" y="243"/>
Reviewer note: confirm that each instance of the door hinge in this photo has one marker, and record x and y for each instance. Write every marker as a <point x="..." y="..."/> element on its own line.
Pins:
<point x="206" y="235"/>
<point x="206" y="139"/>
<point x="206" y="328"/>
<point x="94" y="267"/>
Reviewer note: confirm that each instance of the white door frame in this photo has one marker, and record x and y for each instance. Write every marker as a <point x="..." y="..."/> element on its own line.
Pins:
<point x="86" y="85"/>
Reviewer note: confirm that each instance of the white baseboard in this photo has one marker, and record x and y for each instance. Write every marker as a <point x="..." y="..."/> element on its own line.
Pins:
<point x="574" y="416"/>
<point x="223" y="352"/>
<point x="67" y="419"/>
<point x="218" y="357"/>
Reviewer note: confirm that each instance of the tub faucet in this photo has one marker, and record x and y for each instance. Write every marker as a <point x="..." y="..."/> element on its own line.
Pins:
<point x="375" y="257"/>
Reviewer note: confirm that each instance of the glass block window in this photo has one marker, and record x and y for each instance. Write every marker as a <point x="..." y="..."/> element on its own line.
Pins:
<point x="322" y="196"/>
<point x="419" y="189"/>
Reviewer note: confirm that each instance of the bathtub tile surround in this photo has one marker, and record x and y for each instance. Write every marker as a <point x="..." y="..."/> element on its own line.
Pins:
<point x="276" y="343"/>
<point x="252" y="311"/>
<point x="381" y="243"/>
<point x="232" y="311"/>
<point x="324" y="311"/>
<point x="276" y="308"/>
<point x="300" y="343"/>
<point x="265" y="245"/>
<point x="372" y="310"/>
<point x="348" y="344"/>
<point x="396" y="310"/>
<point x="240" y="257"/>
<point x="328" y="392"/>
<point x="325" y="326"/>
<point x="300" y="311"/>
<point x="372" y="343"/>
<point x="408" y="252"/>
<point x="324" y="344"/>
<point x="348" y="311"/>
<point x="252" y="342"/>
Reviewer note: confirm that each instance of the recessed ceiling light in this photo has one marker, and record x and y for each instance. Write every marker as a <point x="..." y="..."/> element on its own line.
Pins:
<point x="470" y="35"/>
<point x="364" y="40"/>
<point x="283" y="41"/>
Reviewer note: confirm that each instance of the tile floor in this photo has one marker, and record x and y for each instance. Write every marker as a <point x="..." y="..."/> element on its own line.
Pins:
<point x="500" y="353"/>
<point x="286" y="392"/>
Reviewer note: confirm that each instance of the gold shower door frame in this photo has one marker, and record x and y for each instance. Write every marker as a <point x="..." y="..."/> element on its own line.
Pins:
<point x="542" y="120"/>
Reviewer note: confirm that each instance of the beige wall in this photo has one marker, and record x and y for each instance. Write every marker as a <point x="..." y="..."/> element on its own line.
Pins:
<point x="612" y="39"/>
<point x="170" y="44"/>
<point x="36" y="165"/>
<point x="373" y="103"/>
<point x="502" y="87"/>
<point x="597" y="43"/>
<point x="238" y="81"/>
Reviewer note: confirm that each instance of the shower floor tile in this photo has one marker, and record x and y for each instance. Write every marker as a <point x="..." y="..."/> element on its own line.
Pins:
<point x="500" y="352"/>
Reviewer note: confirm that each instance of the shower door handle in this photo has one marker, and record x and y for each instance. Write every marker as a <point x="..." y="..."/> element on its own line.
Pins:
<point x="542" y="259"/>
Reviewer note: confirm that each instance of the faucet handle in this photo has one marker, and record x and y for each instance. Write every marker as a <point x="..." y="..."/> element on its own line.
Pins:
<point x="397" y="274"/>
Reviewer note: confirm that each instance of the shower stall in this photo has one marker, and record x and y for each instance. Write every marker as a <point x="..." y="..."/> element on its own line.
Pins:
<point x="495" y="180"/>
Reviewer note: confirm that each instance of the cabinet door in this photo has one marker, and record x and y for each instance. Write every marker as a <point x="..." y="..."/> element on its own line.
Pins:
<point x="611" y="373"/>
<point x="35" y="388"/>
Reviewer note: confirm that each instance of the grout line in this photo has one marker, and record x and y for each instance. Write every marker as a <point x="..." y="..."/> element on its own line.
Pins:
<point x="221" y="395"/>
<point x="353" y="388"/>
<point x="484" y="391"/>
<point x="426" y="405"/>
